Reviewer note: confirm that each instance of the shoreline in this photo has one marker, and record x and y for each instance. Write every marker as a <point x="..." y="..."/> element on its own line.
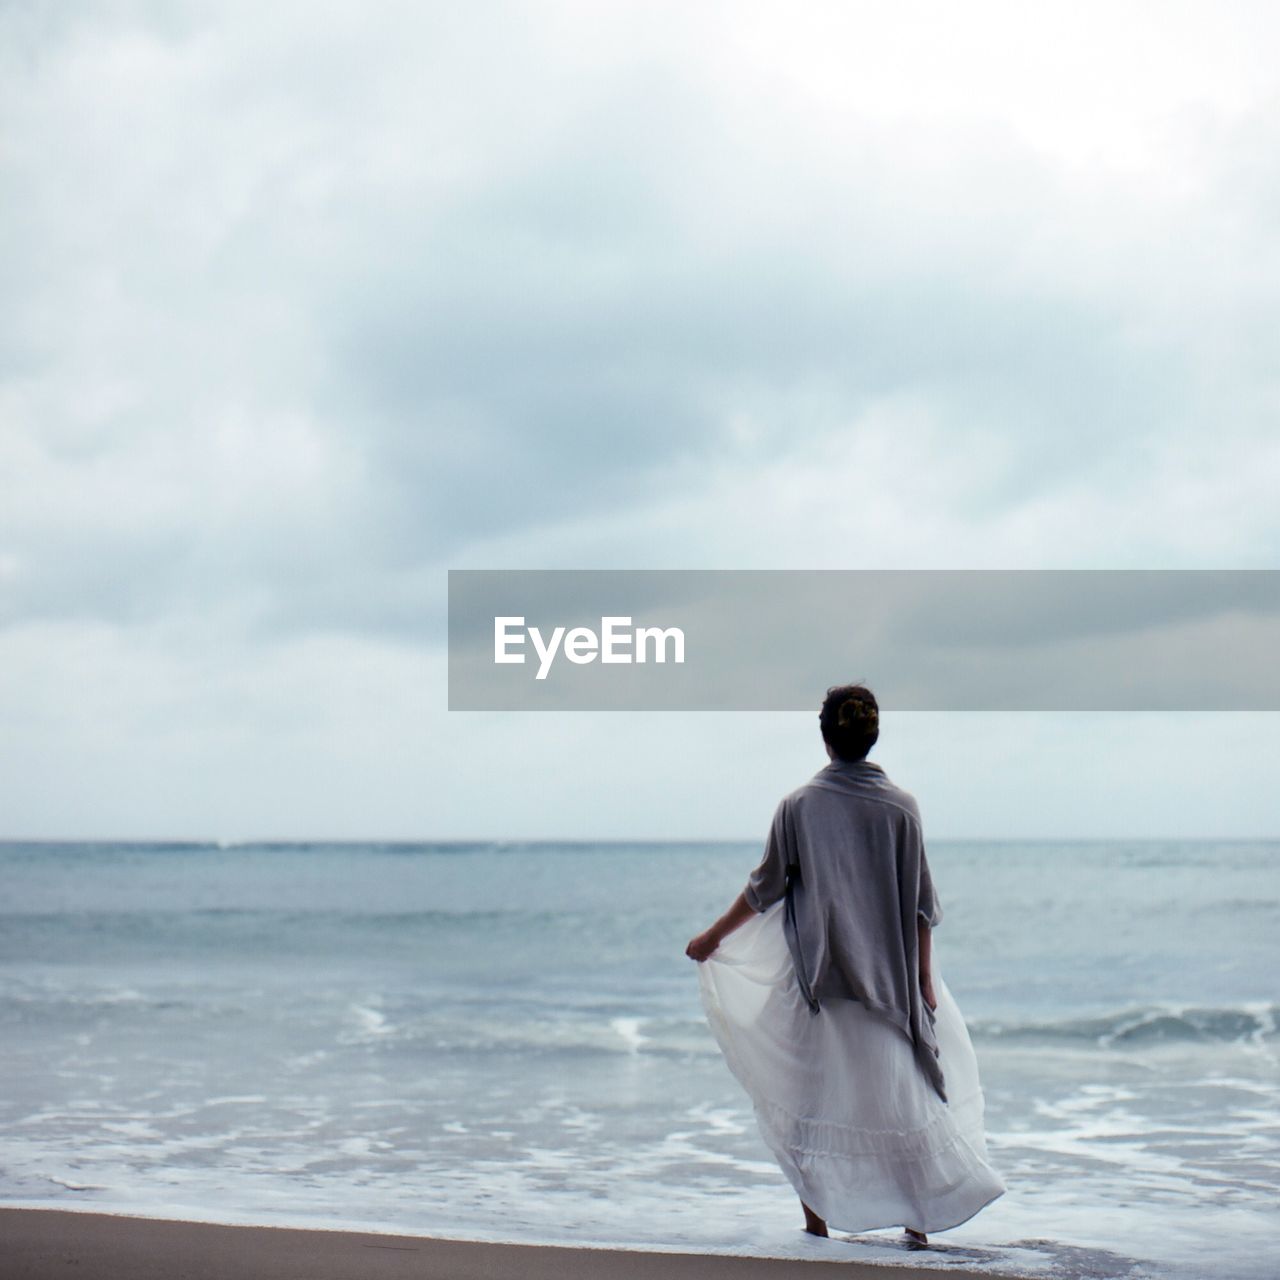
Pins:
<point x="57" y="1243"/>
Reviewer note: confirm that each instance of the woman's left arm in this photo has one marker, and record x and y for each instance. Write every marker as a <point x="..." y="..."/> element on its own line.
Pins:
<point x="704" y="944"/>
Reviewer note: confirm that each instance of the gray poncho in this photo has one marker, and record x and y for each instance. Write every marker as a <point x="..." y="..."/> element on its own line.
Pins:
<point x="847" y="853"/>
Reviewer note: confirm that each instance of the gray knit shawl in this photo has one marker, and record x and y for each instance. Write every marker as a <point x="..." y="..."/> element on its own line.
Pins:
<point x="847" y="853"/>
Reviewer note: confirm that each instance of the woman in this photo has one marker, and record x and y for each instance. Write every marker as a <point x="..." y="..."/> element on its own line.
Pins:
<point x="829" y="1008"/>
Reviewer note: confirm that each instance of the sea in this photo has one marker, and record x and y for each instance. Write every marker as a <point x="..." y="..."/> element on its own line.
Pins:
<point x="504" y="1041"/>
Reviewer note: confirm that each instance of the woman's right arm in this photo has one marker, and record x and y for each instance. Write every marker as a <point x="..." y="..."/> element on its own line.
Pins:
<point x="925" y="952"/>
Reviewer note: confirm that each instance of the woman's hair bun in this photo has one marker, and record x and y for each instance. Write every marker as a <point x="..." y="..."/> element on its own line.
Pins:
<point x="857" y="713"/>
<point x="850" y="720"/>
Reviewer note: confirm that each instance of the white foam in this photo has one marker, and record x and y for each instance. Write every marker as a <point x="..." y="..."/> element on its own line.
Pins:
<point x="629" y="1031"/>
<point x="370" y="1022"/>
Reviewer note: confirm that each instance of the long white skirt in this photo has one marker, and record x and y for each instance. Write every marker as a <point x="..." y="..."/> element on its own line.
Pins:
<point x="841" y="1102"/>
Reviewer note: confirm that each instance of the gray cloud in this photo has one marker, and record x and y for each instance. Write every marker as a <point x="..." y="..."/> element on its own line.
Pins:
<point x="304" y="306"/>
<point x="493" y="286"/>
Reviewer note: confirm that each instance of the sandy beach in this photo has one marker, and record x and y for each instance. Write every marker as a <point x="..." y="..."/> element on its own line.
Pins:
<point x="41" y="1244"/>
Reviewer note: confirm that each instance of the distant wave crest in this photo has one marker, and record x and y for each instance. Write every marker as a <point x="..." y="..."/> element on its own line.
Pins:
<point x="1141" y="1027"/>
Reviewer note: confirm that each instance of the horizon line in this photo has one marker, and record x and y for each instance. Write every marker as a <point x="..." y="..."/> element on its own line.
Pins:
<point x="234" y="841"/>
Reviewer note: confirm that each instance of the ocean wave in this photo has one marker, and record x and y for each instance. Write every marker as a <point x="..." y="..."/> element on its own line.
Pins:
<point x="1142" y="1026"/>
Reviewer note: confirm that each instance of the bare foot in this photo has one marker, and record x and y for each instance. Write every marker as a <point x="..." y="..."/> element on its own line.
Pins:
<point x="813" y="1224"/>
<point x="917" y="1239"/>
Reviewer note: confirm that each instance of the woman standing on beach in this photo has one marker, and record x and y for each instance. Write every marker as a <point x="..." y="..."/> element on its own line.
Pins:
<point x="830" y="1011"/>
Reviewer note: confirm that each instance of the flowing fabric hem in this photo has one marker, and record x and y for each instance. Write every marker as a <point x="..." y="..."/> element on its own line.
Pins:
<point x="862" y="1178"/>
<point x="878" y="1195"/>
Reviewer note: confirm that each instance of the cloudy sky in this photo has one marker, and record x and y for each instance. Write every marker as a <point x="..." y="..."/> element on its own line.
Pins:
<point x="305" y="304"/>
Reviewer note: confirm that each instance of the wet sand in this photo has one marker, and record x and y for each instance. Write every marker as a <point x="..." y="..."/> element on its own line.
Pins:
<point x="51" y="1244"/>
